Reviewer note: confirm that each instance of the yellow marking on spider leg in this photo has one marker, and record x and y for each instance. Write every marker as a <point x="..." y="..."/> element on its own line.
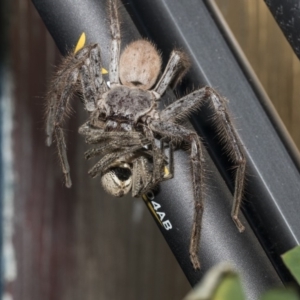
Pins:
<point x="80" y="45"/>
<point x="166" y="171"/>
<point x="148" y="203"/>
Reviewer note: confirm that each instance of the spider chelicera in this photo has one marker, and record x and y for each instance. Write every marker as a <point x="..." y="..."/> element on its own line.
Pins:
<point x="128" y="130"/>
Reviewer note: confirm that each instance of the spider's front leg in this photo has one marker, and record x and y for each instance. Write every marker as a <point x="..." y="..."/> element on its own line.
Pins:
<point x="86" y="66"/>
<point x="104" y="163"/>
<point x="179" y="133"/>
<point x="181" y="108"/>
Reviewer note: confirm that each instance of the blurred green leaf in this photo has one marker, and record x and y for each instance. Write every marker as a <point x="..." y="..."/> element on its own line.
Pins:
<point x="219" y="283"/>
<point x="230" y="288"/>
<point x="292" y="261"/>
<point x="280" y="294"/>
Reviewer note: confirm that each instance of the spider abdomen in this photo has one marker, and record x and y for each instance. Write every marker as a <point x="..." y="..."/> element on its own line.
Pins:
<point x="140" y="65"/>
<point x="128" y="103"/>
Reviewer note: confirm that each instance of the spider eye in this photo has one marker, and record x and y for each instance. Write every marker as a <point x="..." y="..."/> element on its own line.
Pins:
<point x="117" y="181"/>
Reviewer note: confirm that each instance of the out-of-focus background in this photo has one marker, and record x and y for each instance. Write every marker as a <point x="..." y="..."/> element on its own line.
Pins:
<point x="79" y="243"/>
<point x="270" y="55"/>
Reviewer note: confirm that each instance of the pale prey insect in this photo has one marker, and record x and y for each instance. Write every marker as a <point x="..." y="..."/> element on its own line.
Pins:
<point x="128" y="130"/>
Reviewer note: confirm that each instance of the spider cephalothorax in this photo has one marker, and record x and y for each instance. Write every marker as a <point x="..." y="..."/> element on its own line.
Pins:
<point x="128" y="130"/>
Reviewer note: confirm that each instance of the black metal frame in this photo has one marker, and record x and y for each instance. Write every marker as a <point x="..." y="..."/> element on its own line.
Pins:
<point x="272" y="195"/>
<point x="286" y="14"/>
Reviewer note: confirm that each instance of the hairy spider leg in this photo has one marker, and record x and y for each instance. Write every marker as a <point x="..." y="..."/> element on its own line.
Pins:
<point x="156" y="176"/>
<point x="119" y="136"/>
<point x="181" y="108"/>
<point x="64" y="86"/>
<point x="141" y="176"/>
<point x="97" y="70"/>
<point x="158" y="162"/>
<point x="98" y="134"/>
<point x="58" y="101"/>
<point x="158" y="170"/>
<point x="179" y="133"/>
<point x="143" y="173"/>
<point x="113" y="139"/>
<point x="115" y="43"/>
<point x="59" y="135"/>
<point x="111" y="146"/>
<point x="92" y="81"/>
<point x="65" y="79"/>
<point x="176" y="68"/>
<point x="233" y="147"/>
<point x="170" y="171"/>
<point x="125" y="141"/>
<point x="129" y="142"/>
<point x="62" y="153"/>
<point x="104" y="163"/>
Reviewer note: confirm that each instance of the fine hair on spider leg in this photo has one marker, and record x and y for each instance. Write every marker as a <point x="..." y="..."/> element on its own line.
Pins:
<point x="125" y="122"/>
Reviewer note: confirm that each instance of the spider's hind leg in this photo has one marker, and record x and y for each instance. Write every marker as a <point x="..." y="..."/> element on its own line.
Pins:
<point x="234" y="148"/>
<point x="181" y="108"/>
